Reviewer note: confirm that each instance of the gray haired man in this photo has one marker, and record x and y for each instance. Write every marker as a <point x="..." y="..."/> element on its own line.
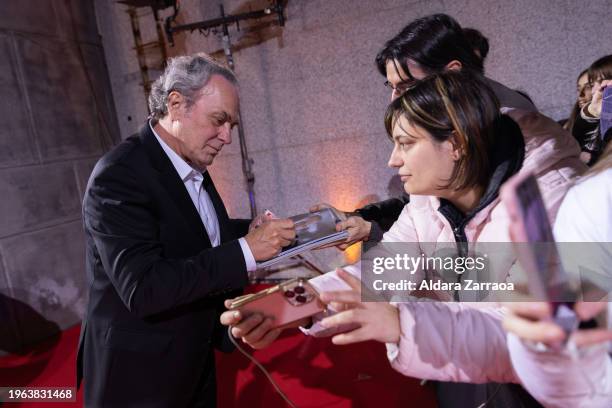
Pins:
<point x="162" y="253"/>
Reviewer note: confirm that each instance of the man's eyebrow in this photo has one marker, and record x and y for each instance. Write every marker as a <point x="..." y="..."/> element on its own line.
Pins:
<point x="223" y="115"/>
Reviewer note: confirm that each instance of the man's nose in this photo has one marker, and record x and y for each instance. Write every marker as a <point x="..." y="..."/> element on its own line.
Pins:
<point x="225" y="133"/>
<point x="395" y="94"/>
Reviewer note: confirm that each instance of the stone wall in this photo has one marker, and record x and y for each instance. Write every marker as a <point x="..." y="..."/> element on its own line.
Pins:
<point x="59" y="117"/>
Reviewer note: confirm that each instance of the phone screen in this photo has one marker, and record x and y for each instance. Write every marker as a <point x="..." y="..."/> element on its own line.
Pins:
<point x="605" y="121"/>
<point x="534" y="212"/>
<point x="550" y="274"/>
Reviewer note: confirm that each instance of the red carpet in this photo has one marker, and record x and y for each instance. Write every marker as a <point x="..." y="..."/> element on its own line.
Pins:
<point x="51" y="364"/>
<point x="312" y="372"/>
<point x="315" y="373"/>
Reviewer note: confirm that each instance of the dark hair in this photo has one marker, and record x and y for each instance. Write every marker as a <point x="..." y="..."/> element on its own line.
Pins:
<point x="478" y="42"/>
<point x="432" y="42"/>
<point x="601" y="69"/>
<point x="571" y="120"/>
<point x="458" y="104"/>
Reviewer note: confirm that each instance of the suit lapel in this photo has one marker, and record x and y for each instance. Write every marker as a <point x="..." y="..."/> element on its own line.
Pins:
<point x="171" y="181"/>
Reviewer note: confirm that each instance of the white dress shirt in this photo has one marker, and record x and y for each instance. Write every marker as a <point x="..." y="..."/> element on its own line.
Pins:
<point x="192" y="179"/>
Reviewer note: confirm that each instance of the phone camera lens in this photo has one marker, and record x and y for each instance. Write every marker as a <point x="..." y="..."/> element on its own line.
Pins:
<point x="300" y="298"/>
<point x="290" y="294"/>
<point x="299" y="290"/>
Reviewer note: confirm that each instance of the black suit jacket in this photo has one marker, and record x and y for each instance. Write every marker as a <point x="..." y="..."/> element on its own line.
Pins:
<point x="156" y="284"/>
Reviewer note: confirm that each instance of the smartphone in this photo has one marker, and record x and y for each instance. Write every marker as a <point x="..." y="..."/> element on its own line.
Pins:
<point x="285" y="303"/>
<point x="605" y="121"/>
<point x="536" y="248"/>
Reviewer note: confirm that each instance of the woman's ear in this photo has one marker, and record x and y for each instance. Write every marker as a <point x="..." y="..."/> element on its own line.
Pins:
<point x="457" y="151"/>
<point x="175" y="104"/>
<point x="454" y="65"/>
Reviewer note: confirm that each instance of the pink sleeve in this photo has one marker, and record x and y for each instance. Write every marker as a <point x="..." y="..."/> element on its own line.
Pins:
<point x="578" y="378"/>
<point x="457" y="342"/>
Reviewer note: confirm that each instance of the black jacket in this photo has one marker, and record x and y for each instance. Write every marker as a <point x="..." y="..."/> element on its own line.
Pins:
<point x="156" y="284"/>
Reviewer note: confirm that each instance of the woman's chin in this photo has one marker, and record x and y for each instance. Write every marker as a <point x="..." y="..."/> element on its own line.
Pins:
<point x="409" y="189"/>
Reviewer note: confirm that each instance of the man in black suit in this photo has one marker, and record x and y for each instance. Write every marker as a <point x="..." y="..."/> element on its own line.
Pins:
<point x="162" y="253"/>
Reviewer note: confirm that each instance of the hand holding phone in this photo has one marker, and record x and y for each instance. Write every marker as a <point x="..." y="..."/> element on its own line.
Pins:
<point x="284" y="303"/>
<point x="536" y="250"/>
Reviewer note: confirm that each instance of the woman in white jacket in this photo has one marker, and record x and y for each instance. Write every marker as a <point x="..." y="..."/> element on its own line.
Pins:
<point x="579" y="375"/>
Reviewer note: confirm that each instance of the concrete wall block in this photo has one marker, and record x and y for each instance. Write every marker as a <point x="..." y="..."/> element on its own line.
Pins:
<point x="47" y="271"/>
<point x="16" y="140"/>
<point x="316" y="14"/>
<point x="104" y="104"/>
<point x="35" y="16"/>
<point x="131" y="108"/>
<point x="76" y="20"/>
<point x="82" y="171"/>
<point x="519" y="34"/>
<point x="39" y="195"/>
<point x="61" y="99"/>
<point x="330" y="107"/>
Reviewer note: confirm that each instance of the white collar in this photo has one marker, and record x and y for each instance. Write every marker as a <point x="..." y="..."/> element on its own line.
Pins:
<point x="184" y="170"/>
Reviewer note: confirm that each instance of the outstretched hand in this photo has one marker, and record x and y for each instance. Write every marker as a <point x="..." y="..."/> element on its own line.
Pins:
<point x="531" y="321"/>
<point x="358" y="228"/>
<point x="375" y="320"/>
<point x="594" y="107"/>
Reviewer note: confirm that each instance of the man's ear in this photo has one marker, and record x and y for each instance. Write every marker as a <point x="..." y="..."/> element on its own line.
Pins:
<point x="454" y="65"/>
<point x="175" y="104"/>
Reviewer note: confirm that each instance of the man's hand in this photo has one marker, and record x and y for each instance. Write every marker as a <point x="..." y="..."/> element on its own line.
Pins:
<point x="358" y="228"/>
<point x="267" y="240"/>
<point x="258" y="221"/>
<point x="254" y="330"/>
<point x="375" y="320"/>
<point x="531" y="321"/>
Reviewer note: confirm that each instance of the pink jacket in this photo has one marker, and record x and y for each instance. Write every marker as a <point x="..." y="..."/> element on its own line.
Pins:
<point x="465" y="342"/>
<point x="551" y="154"/>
